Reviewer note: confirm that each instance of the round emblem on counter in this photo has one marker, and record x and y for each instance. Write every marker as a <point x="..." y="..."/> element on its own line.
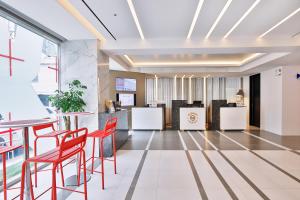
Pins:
<point x="192" y="118"/>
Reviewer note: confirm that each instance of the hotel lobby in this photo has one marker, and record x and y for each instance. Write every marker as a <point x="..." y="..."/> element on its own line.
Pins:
<point x="150" y="100"/>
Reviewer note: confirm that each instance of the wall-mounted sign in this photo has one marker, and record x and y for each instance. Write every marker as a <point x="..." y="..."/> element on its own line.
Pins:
<point x="278" y="72"/>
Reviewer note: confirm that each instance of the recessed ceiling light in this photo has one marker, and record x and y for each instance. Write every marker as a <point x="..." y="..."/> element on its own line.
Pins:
<point x="136" y="20"/>
<point x="82" y="20"/>
<point x="129" y="59"/>
<point x="242" y="18"/>
<point x="279" y="23"/>
<point x="218" y="18"/>
<point x="195" y="18"/>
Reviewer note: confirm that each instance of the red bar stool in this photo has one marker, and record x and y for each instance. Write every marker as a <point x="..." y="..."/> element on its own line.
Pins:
<point x="3" y="151"/>
<point x="69" y="147"/>
<point x="52" y="134"/>
<point x="109" y="130"/>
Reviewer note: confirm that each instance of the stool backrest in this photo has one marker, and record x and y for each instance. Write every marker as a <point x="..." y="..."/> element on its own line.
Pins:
<point x="41" y="127"/>
<point x="76" y="138"/>
<point x="110" y="126"/>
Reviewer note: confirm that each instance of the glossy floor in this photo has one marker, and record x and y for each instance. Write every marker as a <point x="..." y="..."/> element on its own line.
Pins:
<point x="199" y="165"/>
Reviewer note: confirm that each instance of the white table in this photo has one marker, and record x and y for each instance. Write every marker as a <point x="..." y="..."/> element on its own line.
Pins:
<point x="192" y="118"/>
<point x="233" y="118"/>
<point x="72" y="180"/>
<point x="147" y="118"/>
<point x="25" y="124"/>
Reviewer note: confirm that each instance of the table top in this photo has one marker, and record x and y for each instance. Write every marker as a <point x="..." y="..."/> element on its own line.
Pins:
<point x="25" y="123"/>
<point x="75" y="113"/>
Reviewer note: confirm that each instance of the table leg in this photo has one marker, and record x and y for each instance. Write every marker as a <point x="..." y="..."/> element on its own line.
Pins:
<point x="26" y="156"/>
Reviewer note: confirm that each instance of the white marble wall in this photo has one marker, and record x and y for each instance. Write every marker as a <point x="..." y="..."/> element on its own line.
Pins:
<point x="83" y="60"/>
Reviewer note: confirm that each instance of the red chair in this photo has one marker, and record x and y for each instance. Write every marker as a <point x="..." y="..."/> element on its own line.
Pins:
<point x="68" y="148"/>
<point x="52" y="134"/>
<point x="3" y="151"/>
<point x="109" y="130"/>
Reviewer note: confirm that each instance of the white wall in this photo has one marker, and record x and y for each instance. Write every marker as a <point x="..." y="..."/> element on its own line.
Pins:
<point x="271" y="101"/>
<point x="291" y="101"/>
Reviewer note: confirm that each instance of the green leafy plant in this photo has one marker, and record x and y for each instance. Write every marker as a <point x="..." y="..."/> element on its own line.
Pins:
<point x="69" y="101"/>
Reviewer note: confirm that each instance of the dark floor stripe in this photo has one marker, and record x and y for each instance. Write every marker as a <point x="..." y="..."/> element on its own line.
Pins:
<point x="275" y="166"/>
<point x="225" y="184"/>
<point x="197" y="179"/>
<point x="245" y="177"/>
<point x="136" y="177"/>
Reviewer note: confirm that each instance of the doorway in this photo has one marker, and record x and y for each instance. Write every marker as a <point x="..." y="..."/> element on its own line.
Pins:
<point x="255" y="100"/>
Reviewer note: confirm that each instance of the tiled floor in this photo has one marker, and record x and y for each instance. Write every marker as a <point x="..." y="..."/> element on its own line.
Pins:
<point x="163" y="165"/>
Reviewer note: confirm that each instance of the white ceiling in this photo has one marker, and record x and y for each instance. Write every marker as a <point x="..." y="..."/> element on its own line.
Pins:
<point x="166" y="23"/>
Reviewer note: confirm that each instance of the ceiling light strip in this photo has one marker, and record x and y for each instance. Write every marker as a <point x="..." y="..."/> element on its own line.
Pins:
<point x="82" y="20"/>
<point x="195" y="63"/>
<point x="251" y="57"/>
<point x="279" y="23"/>
<point x="242" y="18"/>
<point x="129" y="59"/>
<point x="136" y="20"/>
<point x="218" y="18"/>
<point x="195" y="18"/>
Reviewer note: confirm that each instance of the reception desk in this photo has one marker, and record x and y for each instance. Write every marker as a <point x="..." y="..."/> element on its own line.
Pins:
<point x="192" y="118"/>
<point x="147" y="118"/>
<point x="233" y="118"/>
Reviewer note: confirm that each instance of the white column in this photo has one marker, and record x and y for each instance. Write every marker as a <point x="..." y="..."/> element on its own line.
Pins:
<point x="190" y="90"/>
<point x="182" y="87"/>
<point x="175" y="88"/>
<point x="156" y="89"/>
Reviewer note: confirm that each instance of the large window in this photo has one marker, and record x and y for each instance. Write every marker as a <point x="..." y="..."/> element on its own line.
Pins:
<point x="28" y="75"/>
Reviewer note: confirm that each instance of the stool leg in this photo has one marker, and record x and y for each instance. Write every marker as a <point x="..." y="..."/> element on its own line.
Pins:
<point x="114" y="151"/>
<point x="93" y="154"/>
<point x="79" y="167"/>
<point x="4" y="175"/>
<point x="35" y="164"/>
<point x="54" y="182"/>
<point x="23" y="180"/>
<point x="57" y="145"/>
<point x="84" y="175"/>
<point x="62" y="175"/>
<point x="102" y="163"/>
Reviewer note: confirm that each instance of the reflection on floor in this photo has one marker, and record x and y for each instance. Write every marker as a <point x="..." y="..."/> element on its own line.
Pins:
<point x="199" y="165"/>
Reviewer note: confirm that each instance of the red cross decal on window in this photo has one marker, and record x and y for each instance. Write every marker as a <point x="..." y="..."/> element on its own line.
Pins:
<point x="10" y="57"/>
<point x="56" y="69"/>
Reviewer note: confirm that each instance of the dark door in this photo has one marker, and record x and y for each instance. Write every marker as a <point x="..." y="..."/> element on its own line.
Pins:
<point x="255" y="100"/>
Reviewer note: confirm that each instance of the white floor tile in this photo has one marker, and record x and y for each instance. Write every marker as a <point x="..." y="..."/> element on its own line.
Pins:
<point x="211" y="183"/>
<point x="261" y="173"/>
<point x="286" y="160"/>
<point x="239" y="186"/>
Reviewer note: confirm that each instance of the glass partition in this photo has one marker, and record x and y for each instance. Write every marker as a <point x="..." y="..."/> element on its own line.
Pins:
<point x="29" y="73"/>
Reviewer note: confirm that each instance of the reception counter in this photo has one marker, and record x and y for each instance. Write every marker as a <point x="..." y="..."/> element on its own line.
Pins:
<point x="233" y="118"/>
<point x="147" y="118"/>
<point x="192" y="118"/>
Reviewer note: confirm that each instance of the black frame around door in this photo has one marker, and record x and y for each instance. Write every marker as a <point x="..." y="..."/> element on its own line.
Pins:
<point x="255" y="100"/>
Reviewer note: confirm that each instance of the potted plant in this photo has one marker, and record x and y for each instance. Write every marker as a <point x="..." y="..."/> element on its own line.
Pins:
<point x="69" y="101"/>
